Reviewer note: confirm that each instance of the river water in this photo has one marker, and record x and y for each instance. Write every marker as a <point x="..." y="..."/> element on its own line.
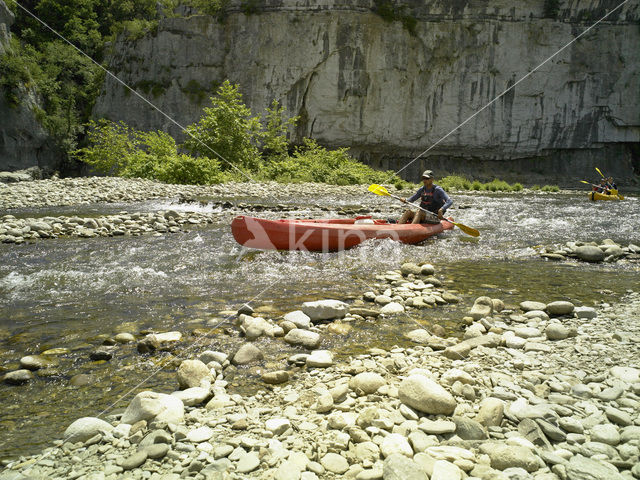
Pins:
<point x="73" y="293"/>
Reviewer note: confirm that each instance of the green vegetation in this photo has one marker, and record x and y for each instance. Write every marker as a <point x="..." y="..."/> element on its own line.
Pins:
<point x="226" y="136"/>
<point x="551" y="8"/>
<point x="457" y="182"/>
<point x="391" y="12"/>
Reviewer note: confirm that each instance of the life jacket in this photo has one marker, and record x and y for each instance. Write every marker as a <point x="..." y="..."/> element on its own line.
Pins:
<point x="427" y="201"/>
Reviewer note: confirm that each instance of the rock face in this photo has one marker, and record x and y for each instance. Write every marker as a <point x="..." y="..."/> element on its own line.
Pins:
<point x="387" y="92"/>
<point x="23" y="141"/>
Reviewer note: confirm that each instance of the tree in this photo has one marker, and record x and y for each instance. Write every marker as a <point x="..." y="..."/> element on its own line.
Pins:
<point x="274" y="138"/>
<point x="226" y="131"/>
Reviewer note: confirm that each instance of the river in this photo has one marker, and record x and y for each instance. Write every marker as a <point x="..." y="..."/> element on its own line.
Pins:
<point x="72" y="293"/>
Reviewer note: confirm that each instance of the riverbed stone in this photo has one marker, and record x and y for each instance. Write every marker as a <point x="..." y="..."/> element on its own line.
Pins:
<point x="366" y="382"/>
<point x="298" y="318"/>
<point x="18" y="377"/>
<point x="626" y="374"/>
<point x="508" y="456"/>
<point x="276" y="377"/>
<point x="248" y="463"/>
<point x="85" y="428"/>
<point x="192" y="396"/>
<point x="154" y="406"/>
<point x="246" y="354"/>
<point x="320" y="359"/>
<point x="191" y="373"/>
<point x="36" y="362"/>
<point x="529" y="305"/>
<point x="556" y="331"/>
<point x="305" y="338"/>
<point x="400" y="467"/>
<point x="325" y="309"/>
<point x="559" y="308"/>
<point x="426" y="395"/>
<point x="582" y="468"/>
<point x="335" y="463"/>
<point x="589" y="253"/>
<point x="392" y="308"/>
<point x="482" y="307"/>
<point x="605" y="433"/>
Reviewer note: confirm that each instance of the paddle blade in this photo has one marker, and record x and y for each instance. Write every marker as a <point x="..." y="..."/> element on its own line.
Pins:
<point x="468" y="230"/>
<point x="378" y="190"/>
<point x="583" y="181"/>
<point x="598" y="170"/>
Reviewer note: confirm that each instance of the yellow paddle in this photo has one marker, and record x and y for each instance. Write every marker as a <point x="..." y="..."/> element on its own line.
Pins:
<point x="380" y="190"/>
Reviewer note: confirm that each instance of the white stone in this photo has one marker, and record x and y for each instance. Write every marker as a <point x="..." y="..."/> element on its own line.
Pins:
<point x="396" y="443"/>
<point x="154" y="406"/>
<point x="325" y="309"/>
<point x="85" y="428"/>
<point x="392" y="308"/>
<point x="298" y="318"/>
<point x="320" y="358"/>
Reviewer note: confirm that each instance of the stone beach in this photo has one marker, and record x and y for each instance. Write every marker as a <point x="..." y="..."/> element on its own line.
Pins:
<point x="540" y="390"/>
<point x="532" y="391"/>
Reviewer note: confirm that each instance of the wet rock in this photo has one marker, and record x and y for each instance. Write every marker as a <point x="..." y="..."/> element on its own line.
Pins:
<point x="101" y="354"/>
<point x="325" y="309"/>
<point x="275" y="378"/>
<point x="18" y="377"/>
<point x="482" y="307"/>
<point x="306" y="338"/>
<point x="36" y="362"/>
<point x="246" y="354"/>
<point x="299" y="319"/>
<point x="392" y="308"/>
<point x="411" y="269"/>
<point x="589" y="253"/>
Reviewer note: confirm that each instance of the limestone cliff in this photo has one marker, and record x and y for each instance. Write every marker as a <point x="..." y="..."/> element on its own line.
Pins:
<point x="390" y="92"/>
<point x="23" y="141"/>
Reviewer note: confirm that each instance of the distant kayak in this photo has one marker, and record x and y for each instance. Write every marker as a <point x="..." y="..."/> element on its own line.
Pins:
<point x="326" y="235"/>
<point x="602" y="196"/>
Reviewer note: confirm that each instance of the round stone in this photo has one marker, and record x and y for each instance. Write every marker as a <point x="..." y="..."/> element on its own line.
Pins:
<point x="335" y="463"/>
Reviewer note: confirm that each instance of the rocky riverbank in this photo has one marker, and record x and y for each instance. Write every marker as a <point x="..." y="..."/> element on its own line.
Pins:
<point x="537" y="390"/>
<point x="606" y="251"/>
<point x="88" y="190"/>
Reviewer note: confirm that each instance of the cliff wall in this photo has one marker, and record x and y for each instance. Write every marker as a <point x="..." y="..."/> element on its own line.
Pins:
<point x="390" y="91"/>
<point x="23" y="141"/>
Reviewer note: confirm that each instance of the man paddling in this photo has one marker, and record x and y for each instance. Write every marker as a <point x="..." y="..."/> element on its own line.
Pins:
<point x="432" y="198"/>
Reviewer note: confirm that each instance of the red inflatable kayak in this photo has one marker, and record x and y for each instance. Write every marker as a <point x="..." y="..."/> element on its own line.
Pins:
<point x="327" y="235"/>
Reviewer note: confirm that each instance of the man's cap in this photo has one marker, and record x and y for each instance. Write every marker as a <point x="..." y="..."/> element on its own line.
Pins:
<point x="427" y="174"/>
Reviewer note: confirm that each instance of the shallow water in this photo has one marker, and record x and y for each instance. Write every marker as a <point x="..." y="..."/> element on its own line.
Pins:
<point x="72" y="293"/>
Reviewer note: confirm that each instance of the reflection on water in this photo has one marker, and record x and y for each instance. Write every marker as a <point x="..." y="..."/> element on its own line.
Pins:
<point x="72" y="293"/>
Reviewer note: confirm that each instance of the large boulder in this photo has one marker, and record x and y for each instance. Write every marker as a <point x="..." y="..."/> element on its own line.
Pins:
<point x="247" y="353"/>
<point x="191" y="373"/>
<point x="590" y="253"/>
<point x="306" y="338"/>
<point x="425" y="395"/>
<point x="325" y="309"/>
<point x="154" y="406"/>
<point x="85" y="428"/>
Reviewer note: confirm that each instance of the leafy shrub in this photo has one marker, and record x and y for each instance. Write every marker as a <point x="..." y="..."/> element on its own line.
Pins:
<point x="550" y="188"/>
<point x="313" y="163"/>
<point x="118" y="149"/>
<point x="226" y="130"/>
<point x="455" y="182"/>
